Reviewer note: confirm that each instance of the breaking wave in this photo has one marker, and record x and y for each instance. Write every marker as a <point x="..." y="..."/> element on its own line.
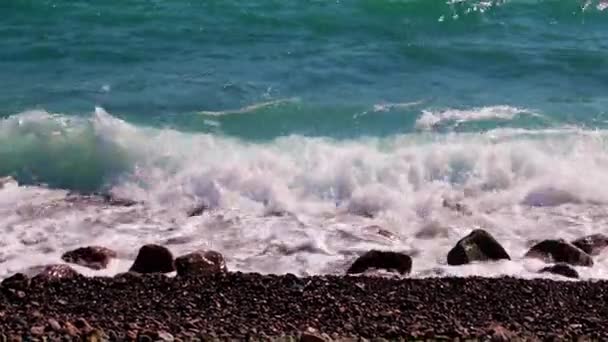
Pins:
<point x="295" y="204"/>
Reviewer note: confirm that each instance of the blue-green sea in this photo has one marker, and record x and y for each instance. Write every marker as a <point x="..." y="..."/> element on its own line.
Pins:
<point x="339" y="69"/>
<point x="298" y="123"/>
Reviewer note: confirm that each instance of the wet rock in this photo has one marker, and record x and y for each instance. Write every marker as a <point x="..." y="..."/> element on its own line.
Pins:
<point x="200" y="262"/>
<point x="94" y="257"/>
<point x="559" y="251"/>
<point x="561" y="269"/>
<point x="592" y="244"/>
<point x="153" y="259"/>
<point x="477" y="246"/>
<point x="116" y="201"/>
<point x="17" y="281"/>
<point x="128" y="277"/>
<point x="56" y="273"/>
<point x="374" y="259"/>
<point x="198" y="210"/>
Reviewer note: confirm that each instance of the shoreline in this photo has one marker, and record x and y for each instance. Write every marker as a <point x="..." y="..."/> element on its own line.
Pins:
<point x="245" y="306"/>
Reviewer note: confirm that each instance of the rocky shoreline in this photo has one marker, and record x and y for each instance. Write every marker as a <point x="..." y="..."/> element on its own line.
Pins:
<point x="204" y="300"/>
<point x="252" y="306"/>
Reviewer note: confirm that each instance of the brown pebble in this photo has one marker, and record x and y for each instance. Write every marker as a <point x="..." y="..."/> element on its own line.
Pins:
<point x="37" y="330"/>
<point x="311" y="337"/>
<point x="54" y="324"/>
<point x="70" y="329"/>
<point x="14" y="338"/>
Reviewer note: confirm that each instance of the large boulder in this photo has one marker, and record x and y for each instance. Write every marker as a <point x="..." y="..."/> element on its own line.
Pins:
<point x="559" y="251"/>
<point x="374" y="259"/>
<point x="477" y="246"/>
<point x="592" y="244"/>
<point x="153" y="259"/>
<point x="94" y="257"/>
<point x="54" y="272"/>
<point x="200" y="262"/>
<point x="560" y="269"/>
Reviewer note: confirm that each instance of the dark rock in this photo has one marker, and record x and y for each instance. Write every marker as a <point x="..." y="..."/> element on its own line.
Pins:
<point x="477" y="246"/>
<point x="311" y="337"/>
<point x="94" y="257"/>
<point x="200" y="262"/>
<point x="561" y="269"/>
<point x="128" y="277"/>
<point x="83" y="326"/>
<point x="592" y="244"/>
<point x="118" y="202"/>
<point x="559" y="251"/>
<point x="56" y="273"/>
<point x="198" y="210"/>
<point x="153" y="259"/>
<point x="17" y="281"/>
<point x="390" y="261"/>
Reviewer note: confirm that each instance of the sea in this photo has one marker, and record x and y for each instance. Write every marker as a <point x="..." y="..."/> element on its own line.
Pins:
<point x="307" y="131"/>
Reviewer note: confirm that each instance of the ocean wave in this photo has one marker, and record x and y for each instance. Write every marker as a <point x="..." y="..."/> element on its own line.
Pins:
<point x="293" y="191"/>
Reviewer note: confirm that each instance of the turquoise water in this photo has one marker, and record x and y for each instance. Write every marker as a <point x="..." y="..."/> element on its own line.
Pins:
<point x="263" y="69"/>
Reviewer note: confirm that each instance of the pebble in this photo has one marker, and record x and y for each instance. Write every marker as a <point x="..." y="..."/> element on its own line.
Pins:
<point x="239" y="306"/>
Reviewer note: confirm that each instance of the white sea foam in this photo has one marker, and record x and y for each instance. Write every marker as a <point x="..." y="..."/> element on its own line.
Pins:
<point x="251" y="108"/>
<point x="301" y="204"/>
<point x="430" y="119"/>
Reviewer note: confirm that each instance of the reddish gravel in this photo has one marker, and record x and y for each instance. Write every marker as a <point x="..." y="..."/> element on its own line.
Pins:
<point x="239" y="306"/>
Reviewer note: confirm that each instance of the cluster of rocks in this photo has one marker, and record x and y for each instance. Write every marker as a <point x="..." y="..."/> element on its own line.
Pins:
<point x="206" y="301"/>
<point x="480" y="246"/>
<point x="150" y="259"/>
